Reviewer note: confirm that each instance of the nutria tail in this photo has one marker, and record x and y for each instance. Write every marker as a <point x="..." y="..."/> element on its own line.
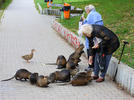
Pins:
<point x="8" y="79"/>
<point x="62" y="84"/>
<point x="50" y="64"/>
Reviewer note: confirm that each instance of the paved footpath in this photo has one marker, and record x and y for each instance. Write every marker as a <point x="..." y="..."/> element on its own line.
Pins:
<point x="23" y="29"/>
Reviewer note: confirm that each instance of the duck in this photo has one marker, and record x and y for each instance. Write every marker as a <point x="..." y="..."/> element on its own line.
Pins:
<point x="29" y="56"/>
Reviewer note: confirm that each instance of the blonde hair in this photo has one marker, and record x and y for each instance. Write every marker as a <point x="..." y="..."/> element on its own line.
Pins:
<point x="86" y="28"/>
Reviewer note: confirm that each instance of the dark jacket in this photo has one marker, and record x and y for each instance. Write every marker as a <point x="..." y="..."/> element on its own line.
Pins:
<point x="109" y="43"/>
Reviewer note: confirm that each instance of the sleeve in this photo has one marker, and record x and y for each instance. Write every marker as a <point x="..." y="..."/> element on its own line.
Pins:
<point x="88" y="20"/>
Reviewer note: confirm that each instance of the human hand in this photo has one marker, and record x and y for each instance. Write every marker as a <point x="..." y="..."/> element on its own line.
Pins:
<point x="95" y="46"/>
<point x="90" y="61"/>
<point x="83" y="18"/>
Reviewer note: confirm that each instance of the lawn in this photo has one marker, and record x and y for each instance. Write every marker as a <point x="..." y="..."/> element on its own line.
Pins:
<point x="3" y="7"/>
<point x="118" y="15"/>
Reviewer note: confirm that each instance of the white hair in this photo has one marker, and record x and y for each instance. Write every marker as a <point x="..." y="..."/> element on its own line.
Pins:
<point x="86" y="28"/>
<point x="89" y="7"/>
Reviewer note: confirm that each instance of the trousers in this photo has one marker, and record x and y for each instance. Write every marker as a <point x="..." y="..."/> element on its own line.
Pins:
<point x="96" y="65"/>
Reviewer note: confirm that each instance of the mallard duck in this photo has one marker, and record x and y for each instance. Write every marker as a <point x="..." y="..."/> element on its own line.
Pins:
<point x="28" y="57"/>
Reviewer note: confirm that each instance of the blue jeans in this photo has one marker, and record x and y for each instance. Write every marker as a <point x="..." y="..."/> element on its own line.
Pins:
<point x="97" y="68"/>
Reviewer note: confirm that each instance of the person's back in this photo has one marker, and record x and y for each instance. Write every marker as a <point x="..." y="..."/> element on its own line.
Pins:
<point x="93" y="18"/>
<point x="110" y="39"/>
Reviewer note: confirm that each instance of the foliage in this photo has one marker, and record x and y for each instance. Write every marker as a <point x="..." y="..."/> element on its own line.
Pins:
<point x="4" y="4"/>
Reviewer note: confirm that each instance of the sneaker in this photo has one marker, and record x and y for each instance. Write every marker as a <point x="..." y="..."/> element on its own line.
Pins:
<point x="95" y="77"/>
<point x="100" y="80"/>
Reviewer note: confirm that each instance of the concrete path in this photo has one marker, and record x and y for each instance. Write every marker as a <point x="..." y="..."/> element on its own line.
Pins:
<point x="23" y="29"/>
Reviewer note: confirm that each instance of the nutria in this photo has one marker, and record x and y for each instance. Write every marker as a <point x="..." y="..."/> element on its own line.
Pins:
<point x="73" y="72"/>
<point x="70" y="65"/>
<point x="33" y="78"/>
<point x="78" y="52"/>
<point x="63" y="76"/>
<point x="80" y="79"/>
<point x="42" y="81"/>
<point x="60" y="62"/>
<point x="75" y="56"/>
<point x="20" y="74"/>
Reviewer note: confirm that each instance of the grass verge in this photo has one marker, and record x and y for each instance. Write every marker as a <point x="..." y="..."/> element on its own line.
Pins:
<point x="4" y="6"/>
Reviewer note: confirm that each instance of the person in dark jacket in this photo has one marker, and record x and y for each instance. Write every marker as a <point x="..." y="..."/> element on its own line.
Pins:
<point x="107" y="44"/>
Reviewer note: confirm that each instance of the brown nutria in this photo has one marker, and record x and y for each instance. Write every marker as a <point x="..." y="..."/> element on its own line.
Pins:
<point x="63" y="76"/>
<point x="70" y="65"/>
<point x="73" y="72"/>
<point x="33" y="78"/>
<point x="42" y="81"/>
<point x="75" y="56"/>
<point x="20" y="74"/>
<point x="78" y="52"/>
<point x="60" y="62"/>
<point x="80" y="79"/>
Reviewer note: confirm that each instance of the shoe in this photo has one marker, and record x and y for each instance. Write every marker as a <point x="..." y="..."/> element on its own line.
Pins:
<point x="95" y="77"/>
<point x="100" y="80"/>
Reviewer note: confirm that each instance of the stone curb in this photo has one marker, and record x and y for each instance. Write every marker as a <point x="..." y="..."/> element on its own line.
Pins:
<point x="125" y="74"/>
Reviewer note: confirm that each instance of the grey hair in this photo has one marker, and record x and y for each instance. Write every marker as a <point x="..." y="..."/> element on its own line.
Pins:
<point x="86" y="28"/>
<point x="89" y="7"/>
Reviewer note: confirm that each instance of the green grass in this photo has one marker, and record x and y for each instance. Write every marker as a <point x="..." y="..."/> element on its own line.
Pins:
<point x="118" y="15"/>
<point x="1" y="13"/>
<point x="3" y="7"/>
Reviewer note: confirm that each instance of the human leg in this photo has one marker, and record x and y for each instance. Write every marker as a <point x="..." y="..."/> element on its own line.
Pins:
<point x="103" y="73"/>
<point x="96" y="65"/>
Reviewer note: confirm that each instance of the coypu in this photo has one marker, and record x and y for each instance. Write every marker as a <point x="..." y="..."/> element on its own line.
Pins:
<point x="60" y="62"/>
<point x="78" y="52"/>
<point x="75" y="56"/>
<point x="33" y="78"/>
<point x="42" y="81"/>
<point x="74" y="71"/>
<point x="70" y="65"/>
<point x="80" y="79"/>
<point x="20" y="74"/>
<point x="63" y="76"/>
